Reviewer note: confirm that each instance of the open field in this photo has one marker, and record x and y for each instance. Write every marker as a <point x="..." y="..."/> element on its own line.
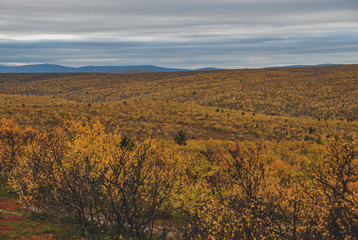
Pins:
<point x="265" y="152"/>
<point x="236" y="104"/>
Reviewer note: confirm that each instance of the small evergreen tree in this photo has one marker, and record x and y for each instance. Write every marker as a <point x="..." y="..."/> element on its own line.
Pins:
<point x="180" y="138"/>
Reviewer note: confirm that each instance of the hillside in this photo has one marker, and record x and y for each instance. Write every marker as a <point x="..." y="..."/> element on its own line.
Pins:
<point x="225" y="154"/>
<point x="320" y="92"/>
<point x="234" y="104"/>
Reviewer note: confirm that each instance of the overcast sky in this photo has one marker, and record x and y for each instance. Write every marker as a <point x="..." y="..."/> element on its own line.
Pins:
<point x="178" y="33"/>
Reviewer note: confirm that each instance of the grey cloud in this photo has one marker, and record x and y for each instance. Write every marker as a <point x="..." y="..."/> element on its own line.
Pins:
<point x="224" y="52"/>
<point x="219" y="32"/>
<point x="65" y="15"/>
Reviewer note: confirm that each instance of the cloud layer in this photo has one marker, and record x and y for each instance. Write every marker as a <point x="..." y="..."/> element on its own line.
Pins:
<point x="172" y="33"/>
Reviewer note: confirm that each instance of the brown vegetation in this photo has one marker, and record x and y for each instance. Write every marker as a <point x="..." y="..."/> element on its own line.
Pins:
<point x="267" y="153"/>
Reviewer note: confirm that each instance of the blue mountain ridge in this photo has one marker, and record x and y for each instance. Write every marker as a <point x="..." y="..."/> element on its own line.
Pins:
<point x="299" y="66"/>
<point x="52" y="68"/>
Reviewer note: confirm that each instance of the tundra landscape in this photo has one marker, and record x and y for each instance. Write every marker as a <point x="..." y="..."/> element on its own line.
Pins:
<point x="221" y="154"/>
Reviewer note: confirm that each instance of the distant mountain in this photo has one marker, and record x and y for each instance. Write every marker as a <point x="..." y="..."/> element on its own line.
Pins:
<point x="297" y="66"/>
<point x="51" y="68"/>
<point x="38" y="68"/>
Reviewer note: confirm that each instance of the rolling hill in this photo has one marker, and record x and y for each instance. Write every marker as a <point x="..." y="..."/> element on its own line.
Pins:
<point x="231" y="104"/>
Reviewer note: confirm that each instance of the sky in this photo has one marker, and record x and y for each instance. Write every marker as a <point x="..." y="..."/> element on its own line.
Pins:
<point x="178" y="33"/>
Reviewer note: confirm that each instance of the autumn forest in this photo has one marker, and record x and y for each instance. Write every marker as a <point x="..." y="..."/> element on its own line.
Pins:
<point x="224" y="154"/>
